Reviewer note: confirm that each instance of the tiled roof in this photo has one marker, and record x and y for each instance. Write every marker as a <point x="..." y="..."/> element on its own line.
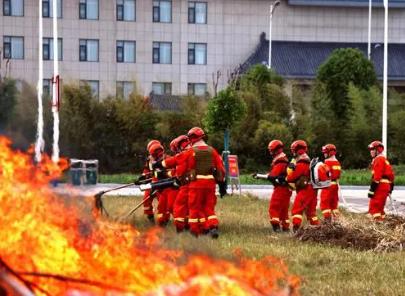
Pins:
<point x="293" y="59"/>
<point x="347" y="3"/>
<point x="165" y="102"/>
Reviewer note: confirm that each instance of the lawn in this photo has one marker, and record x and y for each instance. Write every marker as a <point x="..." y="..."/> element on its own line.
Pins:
<point x="324" y="269"/>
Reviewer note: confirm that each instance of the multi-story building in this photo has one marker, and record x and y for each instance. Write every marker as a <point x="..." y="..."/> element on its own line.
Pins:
<point x="178" y="46"/>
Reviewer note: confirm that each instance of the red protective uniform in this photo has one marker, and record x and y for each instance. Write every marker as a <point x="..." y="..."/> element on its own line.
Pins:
<point x="148" y="204"/>
<point x="201" y="161"/>
<point x="330" y="195"/>
<point x="280" y="199"/>
<point x="306" y="195"/>
<point x="180" y="207"/>
<point x="382" y="174"/>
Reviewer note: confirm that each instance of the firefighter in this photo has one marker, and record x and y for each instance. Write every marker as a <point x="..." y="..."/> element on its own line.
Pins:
<point x="180" y="208"/>
<point x="146" y="174"/>
<point x="280" y="199"/>
<point x="382" y="181"/>
<point x="157" y="154"/>
<point x="298" y="177"/>
<point x="204" y="168"/>
<point x="330" y="195"/>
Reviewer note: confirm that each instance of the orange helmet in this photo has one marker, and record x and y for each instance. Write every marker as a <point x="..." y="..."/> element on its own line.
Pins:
<point x="151" y="143"/>
<point x="274" y="145"/>
<point x="329" y="149"/>
<point x="195" y="134"/>
<point x="377" y="145"/>
<point x="156" y="150"/>
<point x="298" y="145"/>
<point x="182" y="142"/>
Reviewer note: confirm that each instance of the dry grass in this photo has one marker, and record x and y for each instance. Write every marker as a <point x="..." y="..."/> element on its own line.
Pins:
<point x="325" y="269"/>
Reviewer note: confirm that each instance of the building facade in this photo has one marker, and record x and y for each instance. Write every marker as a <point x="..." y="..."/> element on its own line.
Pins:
<point x="172" y="46"/>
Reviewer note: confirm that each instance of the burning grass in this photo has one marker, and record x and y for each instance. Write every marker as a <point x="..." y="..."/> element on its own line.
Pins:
<point x="55" y="246"/>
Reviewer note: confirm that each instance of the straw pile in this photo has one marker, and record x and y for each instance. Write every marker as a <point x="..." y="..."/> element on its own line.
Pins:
<point x="359" y="233"/>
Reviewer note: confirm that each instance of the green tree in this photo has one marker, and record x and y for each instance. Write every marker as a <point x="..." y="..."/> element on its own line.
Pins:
<point x="8" y="101"/>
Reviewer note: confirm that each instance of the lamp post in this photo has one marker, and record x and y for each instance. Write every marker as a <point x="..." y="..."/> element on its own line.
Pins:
<point x="369" y="29"/>
<point x="385" y="78"/>
<point x="272" y="8"/>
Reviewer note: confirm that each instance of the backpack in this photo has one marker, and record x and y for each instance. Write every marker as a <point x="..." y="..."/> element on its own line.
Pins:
<point x="320" y="174"/>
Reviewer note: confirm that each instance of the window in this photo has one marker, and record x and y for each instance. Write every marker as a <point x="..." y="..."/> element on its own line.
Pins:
<point x="13" y="47"/>
<point x="94" y="86"/>
<point x="162" y="88"/>
<point x="126" y="51"/>
<point x="47" y="87"/>
<point x="47" y="49"/>
<point x="162" y="52"/>
<point x="47" y="8"/>
<point x="125" y="89"/>
<point x="197" y="53"/>
<point x="197" y="89"/>
<point x="88" y="50"/>
<point x="13" y="7"/>
<point x="197" y="12"/>
<point x="126" y="10"/>
<point x="88" y="9"/>
<point x="162" y="11"/>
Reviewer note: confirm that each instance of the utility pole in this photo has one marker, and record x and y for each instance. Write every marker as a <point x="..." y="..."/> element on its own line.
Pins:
<point x="272" y="8"/>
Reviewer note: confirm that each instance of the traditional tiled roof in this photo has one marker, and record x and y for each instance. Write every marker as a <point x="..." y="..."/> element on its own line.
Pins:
<point x="301" y="60"/>
<point x="348" y="3"/>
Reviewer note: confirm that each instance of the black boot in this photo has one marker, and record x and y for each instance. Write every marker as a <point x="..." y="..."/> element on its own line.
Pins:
<point x="151" y="218"/>
<point x="276" y="227"/>
<point x="295" y="228"/>
<point x="214" y="233"/>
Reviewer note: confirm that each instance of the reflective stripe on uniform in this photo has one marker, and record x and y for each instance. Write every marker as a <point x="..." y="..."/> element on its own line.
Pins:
<point x="180" y="219"/>
<point x="336" y="167"/>
<point x="275" y="219"/>
<point x="314" y="218"/>
<point x="193" y="220"/>
<point x="297" y="217"/>
<point x="159" y="215"/>
<point x="205" y="177"/>
<point x="336" y="211"/>
<point x="376" y="215"/>
<point x="333" y="182"/>
<point x="385" y="181"/>
<point x="164" y="163"/>
<point x="326" y="211"/>
<point x="202" y="220"/>
<point x="287" y="221"/>
<point x="212" y="217"/>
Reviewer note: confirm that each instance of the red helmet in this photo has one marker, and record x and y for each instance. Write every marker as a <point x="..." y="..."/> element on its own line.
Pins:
<point x="156" y="150"/>
<point x="195" y="134"/>
<point x="274" y="145"/>
<point x="329" y="149"/>
<point x="174" y="145"/>
<point x="376" y="145"/>
<point x="298" y="145"/>
<point x="182" y="142"/>
<point x="151" y="143"/>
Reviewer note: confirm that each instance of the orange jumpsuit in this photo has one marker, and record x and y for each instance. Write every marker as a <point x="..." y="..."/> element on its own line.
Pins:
<point x="305" y="199"/>
<point x="280" y="199"/>
<point x="201" y="161"/>
<point x="330" y="195"/>
<point x="180" y="206"/>
<point x="148" y="204"/>
<point x="383" y="175"/>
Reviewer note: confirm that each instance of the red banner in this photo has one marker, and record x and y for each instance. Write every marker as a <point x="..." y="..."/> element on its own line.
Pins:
<point x="233" y="166"/>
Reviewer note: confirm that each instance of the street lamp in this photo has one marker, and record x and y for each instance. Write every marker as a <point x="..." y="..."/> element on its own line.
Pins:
<point x="385" y="77"/>
<point x="369" y="29"/>
<point x="272" y="8"/>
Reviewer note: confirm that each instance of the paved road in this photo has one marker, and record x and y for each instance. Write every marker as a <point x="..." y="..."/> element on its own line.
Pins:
<point x="354" y="197"/>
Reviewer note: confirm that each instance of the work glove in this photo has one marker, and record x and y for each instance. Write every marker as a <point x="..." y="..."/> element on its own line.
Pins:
<point x="222" y="189"/>
<point x="291" y="166"/>
<point x="254" y="176"/>
<point x="280" y="180"/>
<point x="373" y="188"/>
<point x="392" y="187"/>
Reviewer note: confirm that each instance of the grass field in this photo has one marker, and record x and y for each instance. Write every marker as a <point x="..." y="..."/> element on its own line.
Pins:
<point x="349" y="177"/>
<point x="324" y="270"/>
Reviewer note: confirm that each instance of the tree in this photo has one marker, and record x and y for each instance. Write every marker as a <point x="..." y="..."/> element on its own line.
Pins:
<point x="8" y="101"/>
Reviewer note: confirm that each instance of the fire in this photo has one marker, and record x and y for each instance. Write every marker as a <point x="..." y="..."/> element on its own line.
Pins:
<point x="56" y="246"/>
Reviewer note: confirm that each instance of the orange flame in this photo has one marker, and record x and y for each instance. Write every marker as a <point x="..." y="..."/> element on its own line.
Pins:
<point x="55" y="243"/>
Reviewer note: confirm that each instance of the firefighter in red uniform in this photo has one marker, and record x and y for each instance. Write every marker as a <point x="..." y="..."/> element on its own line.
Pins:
<point x="204" y="168"/>
<point x="382" y="181"/>
<point x="180" y="208"/>
<point x="330" y="195"/>
<point x="280" y="199"/>
<point x="146" y="174"/>
<point x="298" y="177"/>
<point x="163" y="209"/>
